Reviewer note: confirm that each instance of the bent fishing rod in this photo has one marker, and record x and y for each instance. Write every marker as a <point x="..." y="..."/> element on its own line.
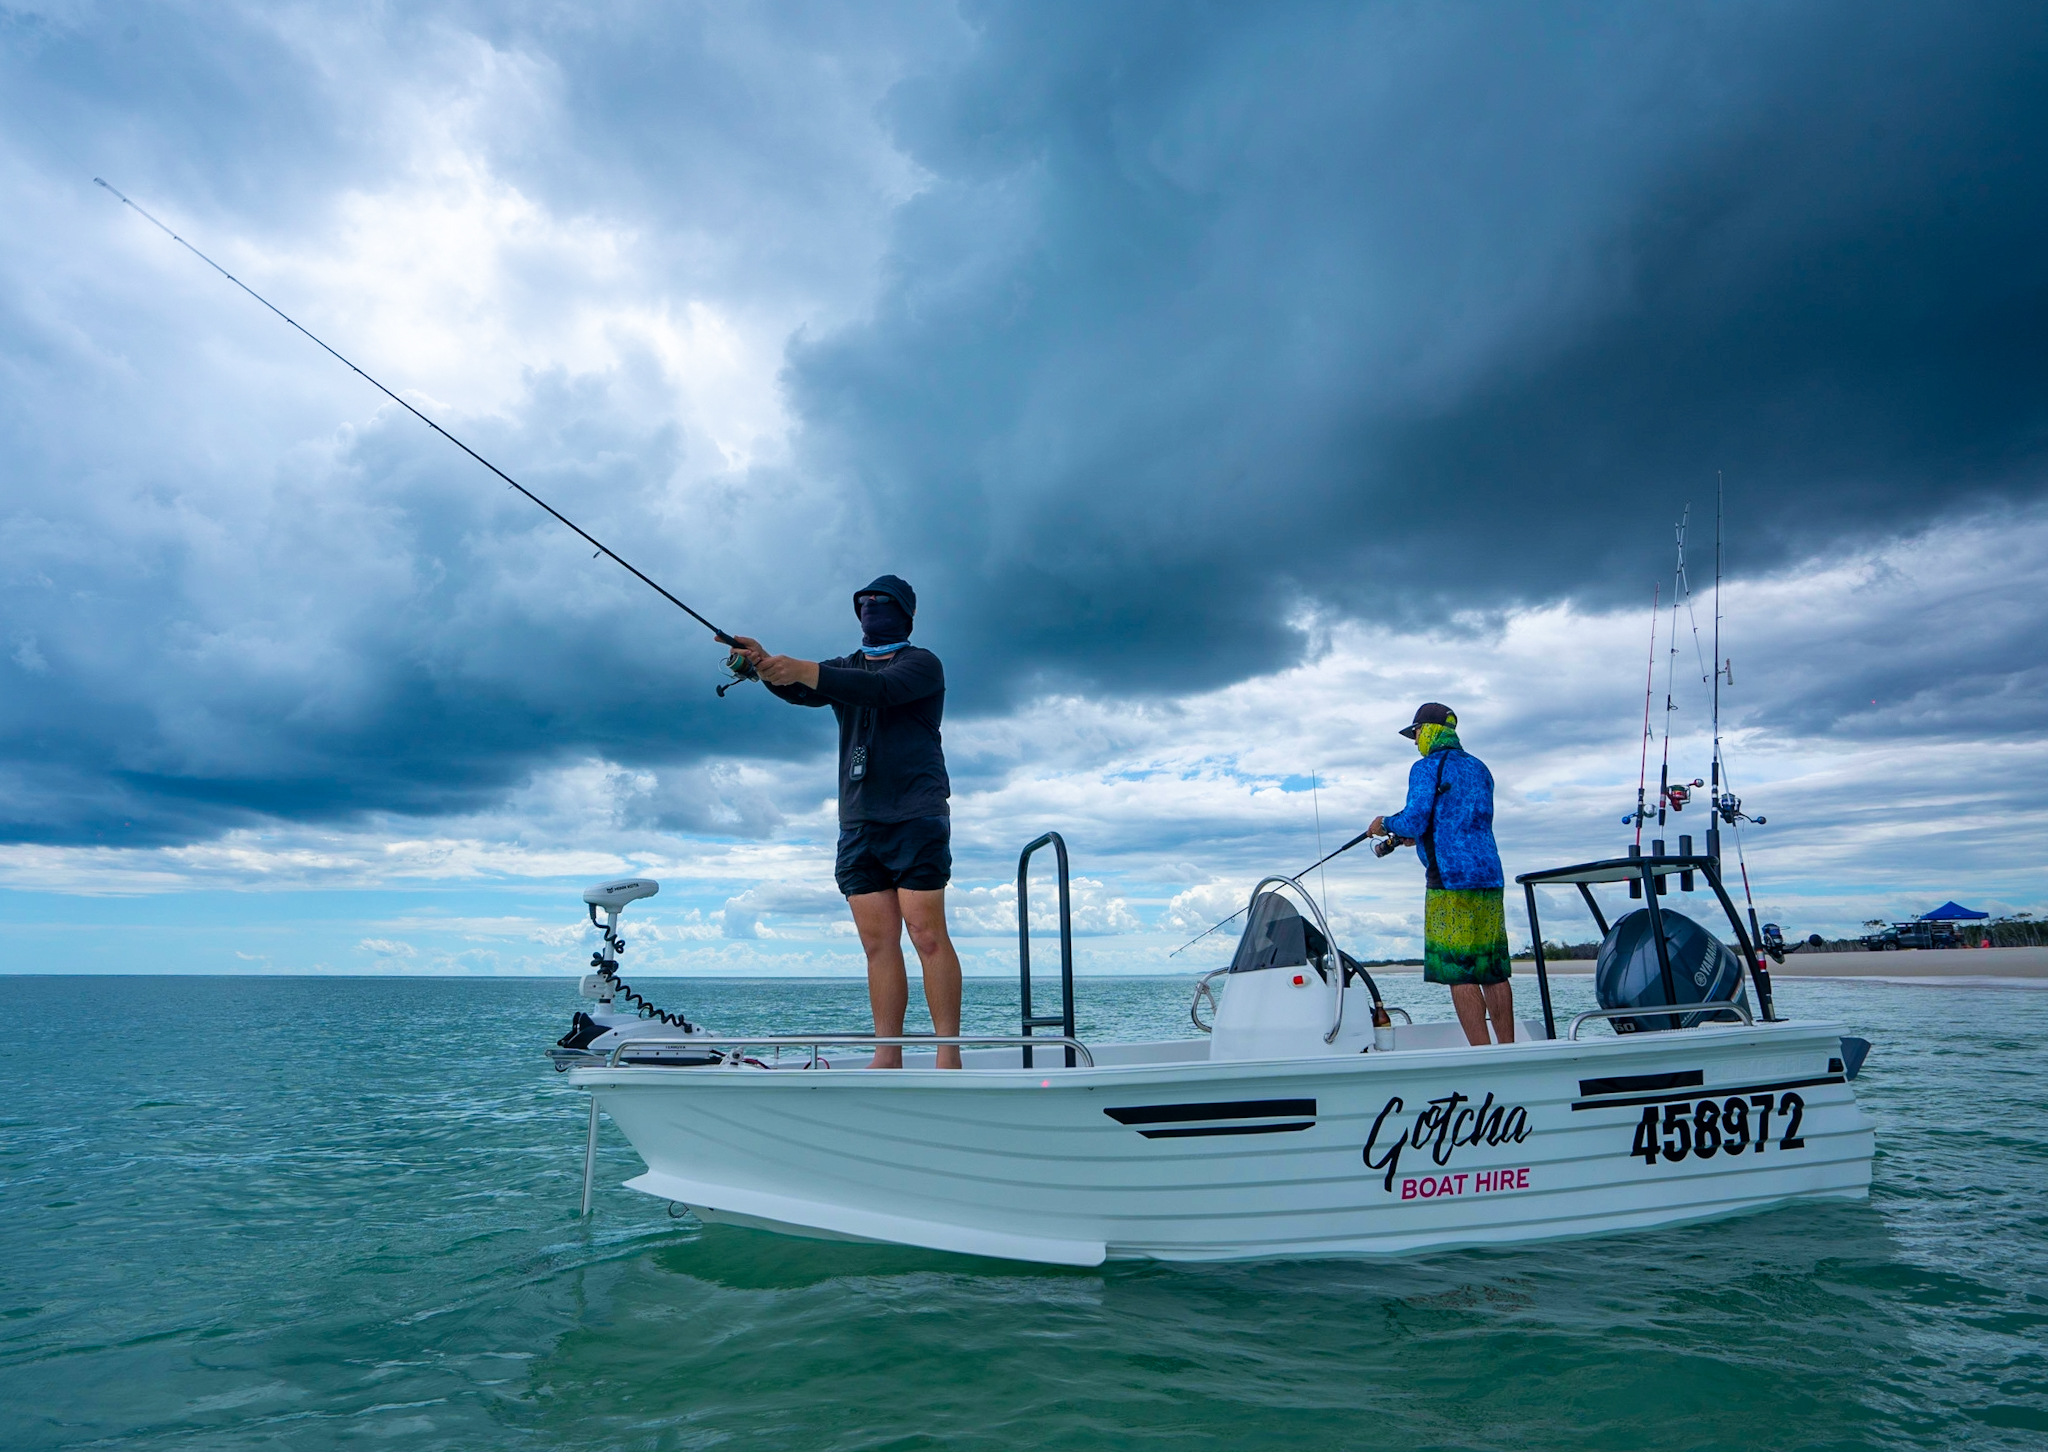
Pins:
<point x="1391" y="843"/>
<point x="737" y="663"/>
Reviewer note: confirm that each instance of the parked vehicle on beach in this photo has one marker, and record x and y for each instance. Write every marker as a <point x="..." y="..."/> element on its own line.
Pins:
<point x="1916" y="935"/>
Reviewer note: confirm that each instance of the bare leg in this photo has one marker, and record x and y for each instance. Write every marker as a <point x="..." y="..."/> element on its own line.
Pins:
<point x="1471" y="1007"/>
<point x="1500" y="1005"/>
<point x="924" y="913"/>
<point x="879" y="920"/>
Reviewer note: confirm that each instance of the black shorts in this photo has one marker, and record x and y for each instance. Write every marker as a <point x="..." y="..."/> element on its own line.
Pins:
<point x="878" y="856"/>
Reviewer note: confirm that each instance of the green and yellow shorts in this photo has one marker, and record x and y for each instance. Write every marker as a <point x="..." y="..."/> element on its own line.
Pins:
<point x="1464" y="936"/>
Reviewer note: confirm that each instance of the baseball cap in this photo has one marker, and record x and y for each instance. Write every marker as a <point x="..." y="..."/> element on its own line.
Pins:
<point x="1431" y="713"/>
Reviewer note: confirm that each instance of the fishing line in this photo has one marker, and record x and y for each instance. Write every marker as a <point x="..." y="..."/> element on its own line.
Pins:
<point x="737" y="663"/>
<point x="1339" y="852"/>
<point x="1316" y="802"/>
<point x="1698" y="650"/>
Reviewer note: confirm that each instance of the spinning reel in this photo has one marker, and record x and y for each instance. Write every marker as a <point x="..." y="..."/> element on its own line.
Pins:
<point x="1729" y="809"/>
<point x="1680" y="792"/>
<point x="1674" y="797"/>
<point x="740" y="669"/>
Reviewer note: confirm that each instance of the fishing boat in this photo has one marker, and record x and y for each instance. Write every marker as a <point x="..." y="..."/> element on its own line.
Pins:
<point x="1300" y="1120"/>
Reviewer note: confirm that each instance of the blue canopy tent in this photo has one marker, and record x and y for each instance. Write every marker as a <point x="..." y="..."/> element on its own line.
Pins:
<point x="1953" y="912"/>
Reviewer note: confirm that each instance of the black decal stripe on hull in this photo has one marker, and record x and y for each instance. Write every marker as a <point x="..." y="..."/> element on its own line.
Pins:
<point x="1199" y="1132"/>
<point x="1237" y="1109"/>
<point x="1641" y="1083"/>
<point x="1716" y="1093"/>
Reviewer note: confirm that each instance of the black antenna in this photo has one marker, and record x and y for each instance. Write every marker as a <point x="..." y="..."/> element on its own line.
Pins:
<point x="719" y="635"/>
<point x="1315" y="801"/>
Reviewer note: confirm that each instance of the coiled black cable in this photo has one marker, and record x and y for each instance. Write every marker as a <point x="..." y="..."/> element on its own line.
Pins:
<point x="646" y="1010"/>
<point x="608" y="968"/>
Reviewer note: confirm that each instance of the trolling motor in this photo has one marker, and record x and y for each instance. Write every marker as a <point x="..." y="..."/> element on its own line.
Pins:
<point x="604" y="985"/>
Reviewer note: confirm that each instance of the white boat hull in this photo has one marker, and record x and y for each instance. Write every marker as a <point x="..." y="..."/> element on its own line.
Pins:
<point x="1160" y="1153"/>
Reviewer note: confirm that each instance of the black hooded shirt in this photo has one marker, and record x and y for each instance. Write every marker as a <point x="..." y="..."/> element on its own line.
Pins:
<point x="889" y="712"/>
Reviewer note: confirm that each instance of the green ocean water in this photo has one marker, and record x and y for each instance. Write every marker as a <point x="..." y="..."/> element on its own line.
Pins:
<point x="303" y="1213"/>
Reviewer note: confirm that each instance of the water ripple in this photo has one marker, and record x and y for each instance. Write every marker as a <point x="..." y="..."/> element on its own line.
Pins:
<point x="296" y="1213"/>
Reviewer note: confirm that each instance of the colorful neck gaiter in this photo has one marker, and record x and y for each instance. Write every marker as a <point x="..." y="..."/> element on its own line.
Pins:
<point x="1432" y="737"/>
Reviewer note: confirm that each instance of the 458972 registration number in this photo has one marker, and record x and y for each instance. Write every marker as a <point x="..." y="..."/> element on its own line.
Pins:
<point x="1704" y="1128"/>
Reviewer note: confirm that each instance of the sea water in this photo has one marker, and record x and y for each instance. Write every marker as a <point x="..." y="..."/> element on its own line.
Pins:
<point x="304" y="1213"/>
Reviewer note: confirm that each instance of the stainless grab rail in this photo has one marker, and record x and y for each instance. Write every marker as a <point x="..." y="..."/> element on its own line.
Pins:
<point x="1664" y="1010"/>
<point x="1202" y="991"/>
<point x="1336" y="957"/>
<point x="814" y="1042"/>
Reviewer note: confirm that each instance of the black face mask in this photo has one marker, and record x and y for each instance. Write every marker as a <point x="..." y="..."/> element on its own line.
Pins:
<point x="883" y="622"/>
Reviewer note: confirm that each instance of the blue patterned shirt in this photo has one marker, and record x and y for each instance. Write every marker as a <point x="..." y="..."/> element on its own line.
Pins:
<point x="1455" y="840"/>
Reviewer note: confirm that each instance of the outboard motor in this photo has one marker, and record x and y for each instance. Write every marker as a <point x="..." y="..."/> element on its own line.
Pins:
<point x="1627" y="975"/>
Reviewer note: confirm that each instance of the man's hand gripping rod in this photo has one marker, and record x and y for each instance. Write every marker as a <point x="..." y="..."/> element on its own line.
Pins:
<point x="742" y="669"/>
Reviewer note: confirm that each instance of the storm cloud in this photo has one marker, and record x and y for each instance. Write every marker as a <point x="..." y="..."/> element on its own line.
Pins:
<point x="1152" y="342"/>
<point x="1209" y="316"/>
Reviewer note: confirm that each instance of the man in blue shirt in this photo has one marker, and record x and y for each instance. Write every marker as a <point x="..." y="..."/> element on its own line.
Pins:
<point x="895" y="827"/>
<point x="1449" y="818"/>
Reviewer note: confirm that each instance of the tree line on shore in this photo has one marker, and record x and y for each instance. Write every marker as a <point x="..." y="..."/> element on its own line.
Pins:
<point x="2021" y="930"/>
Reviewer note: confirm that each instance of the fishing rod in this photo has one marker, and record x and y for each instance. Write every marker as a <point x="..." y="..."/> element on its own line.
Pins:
<point x="1641" y="813"/>
<point x="1720" y="668"/>
<point x="1391" y="843"/>
<point x="737" y="663"/>
<point x="1670" y="661"/>
<point x="1725" y="806"/>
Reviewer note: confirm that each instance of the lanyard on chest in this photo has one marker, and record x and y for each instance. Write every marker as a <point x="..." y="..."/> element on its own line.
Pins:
<point x="864" y="720"/>
<point x="1434" y="877"/>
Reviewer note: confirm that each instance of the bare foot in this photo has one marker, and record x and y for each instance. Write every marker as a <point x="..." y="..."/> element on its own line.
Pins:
<point x="949" y="1056"/>
<point x="886" y="1059"/>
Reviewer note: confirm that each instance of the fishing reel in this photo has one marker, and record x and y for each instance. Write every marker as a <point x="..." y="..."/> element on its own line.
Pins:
<point x="1729" y="809"/>
<point x="1673" y="798"/>
<point x="1680" y="792"/>
<point x="740" y="669"/>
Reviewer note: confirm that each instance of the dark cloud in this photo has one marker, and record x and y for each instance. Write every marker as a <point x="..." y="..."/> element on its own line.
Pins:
<point x="1190" y="320"/>
<point x="388" y="633"/>
<point x="1420" y="309"/>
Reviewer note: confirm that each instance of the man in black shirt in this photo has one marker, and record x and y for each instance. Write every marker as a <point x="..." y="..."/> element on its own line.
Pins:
<point x="895" y="829"/>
